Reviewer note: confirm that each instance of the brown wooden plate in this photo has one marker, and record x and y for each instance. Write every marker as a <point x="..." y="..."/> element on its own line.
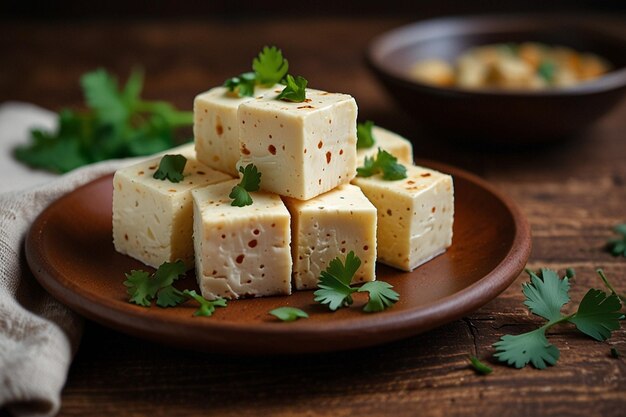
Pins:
<point x="70" y="251"/>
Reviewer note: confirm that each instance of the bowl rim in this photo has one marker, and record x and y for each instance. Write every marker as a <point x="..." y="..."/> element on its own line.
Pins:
<point x="397" y="38"/>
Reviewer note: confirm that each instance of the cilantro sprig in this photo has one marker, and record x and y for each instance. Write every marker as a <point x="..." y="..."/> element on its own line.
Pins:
<point x="364" y="135"/>
<point x="250" y="181"/>
<point x="144" y="288"/>
<point x="295" y="90"/>
<point x="117" y="123"/>
<point x="268" y="68"/>
<point x="479" y="366"/>
<point x="598" y="314"/>
<point x="617" y="246"/>
<point x="384" y="163"/>
<point x="335" y="289"/>
<point x="171" y="167"/>
<point x="288" y="313"/>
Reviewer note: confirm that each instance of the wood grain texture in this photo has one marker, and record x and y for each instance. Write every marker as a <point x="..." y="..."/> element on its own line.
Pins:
<point x="572" y="193"/>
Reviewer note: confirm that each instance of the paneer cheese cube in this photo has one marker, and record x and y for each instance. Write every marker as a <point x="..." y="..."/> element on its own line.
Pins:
<point x="415" y="216"/>
<point x="152" y="219"/>
<point x="329" y="226"/>
<point x="388" y="141"/>
<point x="241" y="251"/>
<point x="216" y="128"/>
<point x="302" y="149"/>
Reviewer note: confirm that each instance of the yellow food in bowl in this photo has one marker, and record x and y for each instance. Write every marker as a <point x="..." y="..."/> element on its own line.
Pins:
<point x="526" y="66"/>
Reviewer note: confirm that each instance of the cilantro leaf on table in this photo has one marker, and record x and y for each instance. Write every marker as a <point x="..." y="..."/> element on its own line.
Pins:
<point x="171" y="167"/>
<point x="270" y="66"/>
<point x="288" y="313"/>
<point x="546" y="294"/>
<point x="384" y="163"/>
<point x="479" y="366"/>
<point x="250" y="181"/>
<point x="381" y="296"/>
<point x="117" y="123"/>
<point x="617" y="246"/>
<point x="528" y="347"/>
<point x="364" y="135"/>
<point x="598" y="314"/>
<point x="295" y="90"/>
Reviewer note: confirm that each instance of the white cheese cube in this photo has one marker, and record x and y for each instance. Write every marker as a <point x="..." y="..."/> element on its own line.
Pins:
<point x="415" y="216"/>
<point x="152" y="219"/>
<point x="329" y="226"/>
<point x="389" y="141"/>
<point x="241" y="251"/>
<point x="302" y="149"/>
<point x="216" y="128"/>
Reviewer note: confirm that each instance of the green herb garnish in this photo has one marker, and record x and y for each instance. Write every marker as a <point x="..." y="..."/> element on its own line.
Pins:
<point x="250" y="181"/>
<point x="547" y="70"/>
<point x="335" y="288"/>
<point x="479" y="367"/>
<point x="117" y="124"/>
<point x="364" y="135"/>
<point x="171" y="167"/>
<point x="269" y="68"/>
<point x="143" y="288"/>
<point x="288" y="313"/>
<point x="384" y="163"/>
<point x="295" y="90"/>
<point x="597" y="315"/>
<point x="617" y="246"/>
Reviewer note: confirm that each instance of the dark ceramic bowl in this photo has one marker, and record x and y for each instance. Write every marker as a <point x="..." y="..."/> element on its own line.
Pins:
<point x="496" y="116"/>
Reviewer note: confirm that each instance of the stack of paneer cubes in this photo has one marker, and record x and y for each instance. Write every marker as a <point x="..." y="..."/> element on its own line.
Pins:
<point x="310" y="209"/>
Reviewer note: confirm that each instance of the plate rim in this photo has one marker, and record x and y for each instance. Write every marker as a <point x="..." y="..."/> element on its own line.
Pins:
<point x="394" y="324"/>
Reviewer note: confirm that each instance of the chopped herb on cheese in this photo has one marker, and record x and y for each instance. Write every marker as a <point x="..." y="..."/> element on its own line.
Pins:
<point x="250" y="181"/>
<point x="295" y="90"/>
<point x="269" y="68"/>
<point x="364" y="134"/>
<point x="384" y="163"/>
<point x="171" y="167"/>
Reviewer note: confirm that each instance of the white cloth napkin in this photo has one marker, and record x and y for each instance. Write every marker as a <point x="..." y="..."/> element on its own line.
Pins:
<point x="38" y="335"/>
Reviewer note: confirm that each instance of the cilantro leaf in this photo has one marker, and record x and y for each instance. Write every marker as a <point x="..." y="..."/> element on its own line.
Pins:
<point x="295" y="90"/>
<point x="250" y="181"/>
<point x="288" y="313"/>
<point x="364" y="135"/>
<point x="243" y="85"/>
<point x="117" y="124"/>
<point x="169" y="297"/>
<point x="171" y="167"/>
<point x="270" y="66"/>
<point x="480" y="367"/>
<point x="101" y="94"/>
<point x="546" y="294"/>
<point x="334" y="283"/>
<point x="384" y="163"/>
<point x="547" y="70"/>
<point x="381" y="296"/>
<point x="207" y="308"/>
<point x="528" y="347"/>
<point x="240" y="197"/>
<point x="142" y="288"/>
<point x="598" y="314"/>
<point x="617" y="246"/>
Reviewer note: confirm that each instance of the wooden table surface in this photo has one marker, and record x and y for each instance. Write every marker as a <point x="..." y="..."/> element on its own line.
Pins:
<point x="573" y="193"/>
